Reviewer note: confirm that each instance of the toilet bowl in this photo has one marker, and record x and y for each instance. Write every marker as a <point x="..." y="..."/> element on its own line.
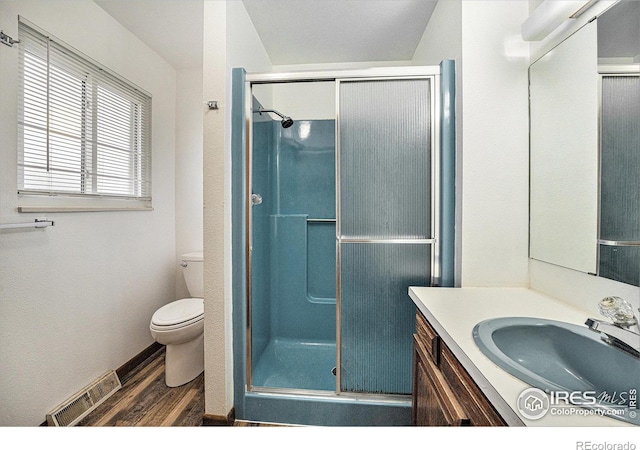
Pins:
<point x="180" y="326"/>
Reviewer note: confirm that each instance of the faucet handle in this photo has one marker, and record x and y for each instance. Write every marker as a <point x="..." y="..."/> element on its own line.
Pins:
<point x="618" y="310"/>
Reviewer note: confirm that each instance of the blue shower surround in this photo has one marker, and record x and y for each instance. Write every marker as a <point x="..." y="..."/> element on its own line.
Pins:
<point x="292" y="407"/>
<point x="293" y="258"/>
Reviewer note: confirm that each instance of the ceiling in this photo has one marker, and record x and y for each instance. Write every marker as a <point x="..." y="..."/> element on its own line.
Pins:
<point x="172" y="28"/>
<point x="334" y="31"/>
<point x="292" y="31"/>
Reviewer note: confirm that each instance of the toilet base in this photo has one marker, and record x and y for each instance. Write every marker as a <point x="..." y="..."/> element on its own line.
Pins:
<point x="184" y="362"/>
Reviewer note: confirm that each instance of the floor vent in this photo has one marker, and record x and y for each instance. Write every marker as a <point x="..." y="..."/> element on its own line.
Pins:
<point x="79" y="405"/>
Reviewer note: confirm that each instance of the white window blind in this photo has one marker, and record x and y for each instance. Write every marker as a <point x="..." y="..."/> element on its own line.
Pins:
<point x="82" y="130"/>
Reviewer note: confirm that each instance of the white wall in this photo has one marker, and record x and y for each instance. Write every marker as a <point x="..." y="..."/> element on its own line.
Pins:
<point x="442" y="39"/>
<point x="230" y="40"/>
<point x="496" y="153"/>
<point x="190" y="108"/>
<point x="305" y="101"/>
<point x="491" y="135"/>
<point x="215" y="333"/>
<point x="76" y="299"/>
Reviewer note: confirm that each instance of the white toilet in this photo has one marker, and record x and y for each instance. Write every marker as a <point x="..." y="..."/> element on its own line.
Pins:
<point x="180" y="326"/>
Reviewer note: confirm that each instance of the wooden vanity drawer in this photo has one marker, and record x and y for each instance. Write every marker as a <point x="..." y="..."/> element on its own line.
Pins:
<point x="434" y="403"/>
<point x="477" y="406"/>
<point x="429" y="337"/>
<point x="443" y="391"/>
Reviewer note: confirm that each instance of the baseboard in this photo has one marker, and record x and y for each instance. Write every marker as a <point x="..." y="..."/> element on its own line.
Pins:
<point x="136" y="363"/>
<point x="212" y="420"/>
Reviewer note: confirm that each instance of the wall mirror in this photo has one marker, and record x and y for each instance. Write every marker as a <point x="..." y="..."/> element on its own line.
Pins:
<point x="585" y="148"/>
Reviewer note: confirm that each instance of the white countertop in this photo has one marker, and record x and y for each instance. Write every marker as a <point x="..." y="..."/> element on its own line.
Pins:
<point x="453" y="312"/>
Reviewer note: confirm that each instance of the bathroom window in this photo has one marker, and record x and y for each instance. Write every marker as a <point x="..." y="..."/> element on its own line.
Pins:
<point x="84" y="133"/>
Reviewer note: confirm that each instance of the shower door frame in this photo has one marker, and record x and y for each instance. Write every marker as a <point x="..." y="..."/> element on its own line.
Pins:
<point x="431" y="73"/>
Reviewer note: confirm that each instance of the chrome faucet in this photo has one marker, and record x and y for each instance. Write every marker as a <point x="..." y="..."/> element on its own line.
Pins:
<point x="619" y="331"/>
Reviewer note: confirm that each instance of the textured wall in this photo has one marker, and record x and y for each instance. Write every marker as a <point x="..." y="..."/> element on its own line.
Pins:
<point x="76" y="299"/>
<point x="189" y="193"/>
<point x="495" y="197"/>
<point x="229" y="41"/>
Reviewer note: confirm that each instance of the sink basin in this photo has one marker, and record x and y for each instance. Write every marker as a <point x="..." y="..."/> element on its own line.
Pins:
<point x="560" y="357"/>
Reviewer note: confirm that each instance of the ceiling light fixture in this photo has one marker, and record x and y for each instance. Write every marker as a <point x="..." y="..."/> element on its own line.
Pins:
<point x="549" y="15"/>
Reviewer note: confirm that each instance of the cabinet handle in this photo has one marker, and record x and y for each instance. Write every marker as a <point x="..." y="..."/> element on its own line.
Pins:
<point x="435" y="349"/>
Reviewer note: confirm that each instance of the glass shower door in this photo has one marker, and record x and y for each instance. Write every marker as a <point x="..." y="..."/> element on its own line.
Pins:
<point x="619" y="244"/>
<point x="385" y="233"/>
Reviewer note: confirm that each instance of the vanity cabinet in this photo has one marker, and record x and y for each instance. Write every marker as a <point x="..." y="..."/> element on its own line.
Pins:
<point x="443" y="392"/>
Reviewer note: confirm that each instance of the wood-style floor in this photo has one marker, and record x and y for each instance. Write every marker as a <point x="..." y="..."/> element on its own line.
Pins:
<point x="145" y="400"/>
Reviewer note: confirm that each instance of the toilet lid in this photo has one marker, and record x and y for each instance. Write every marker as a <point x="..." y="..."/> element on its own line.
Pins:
<point x="178" y="311"/>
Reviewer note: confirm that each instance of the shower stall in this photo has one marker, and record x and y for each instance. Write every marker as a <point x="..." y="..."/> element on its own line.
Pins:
<point x="337" y="210"/>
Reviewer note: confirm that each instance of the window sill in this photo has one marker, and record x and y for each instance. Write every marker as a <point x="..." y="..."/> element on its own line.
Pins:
<point x="61" y="204"/>
<point x="62" y="209"/>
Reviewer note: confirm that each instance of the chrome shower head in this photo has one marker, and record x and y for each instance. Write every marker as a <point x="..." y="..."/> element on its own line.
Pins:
<point x="286" y="120"/>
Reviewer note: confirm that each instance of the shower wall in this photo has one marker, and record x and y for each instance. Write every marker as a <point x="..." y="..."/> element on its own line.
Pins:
<point x="293" y="259"/>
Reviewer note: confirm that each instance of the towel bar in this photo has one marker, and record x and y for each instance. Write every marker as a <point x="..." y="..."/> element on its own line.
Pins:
<point x="38" y="223"/>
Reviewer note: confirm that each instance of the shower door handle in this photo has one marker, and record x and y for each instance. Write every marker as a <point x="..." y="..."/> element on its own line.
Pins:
<point x="256" y="199"/>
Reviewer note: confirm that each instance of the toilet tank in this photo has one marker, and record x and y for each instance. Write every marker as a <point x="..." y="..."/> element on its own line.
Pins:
<point x="192" y="269"/>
